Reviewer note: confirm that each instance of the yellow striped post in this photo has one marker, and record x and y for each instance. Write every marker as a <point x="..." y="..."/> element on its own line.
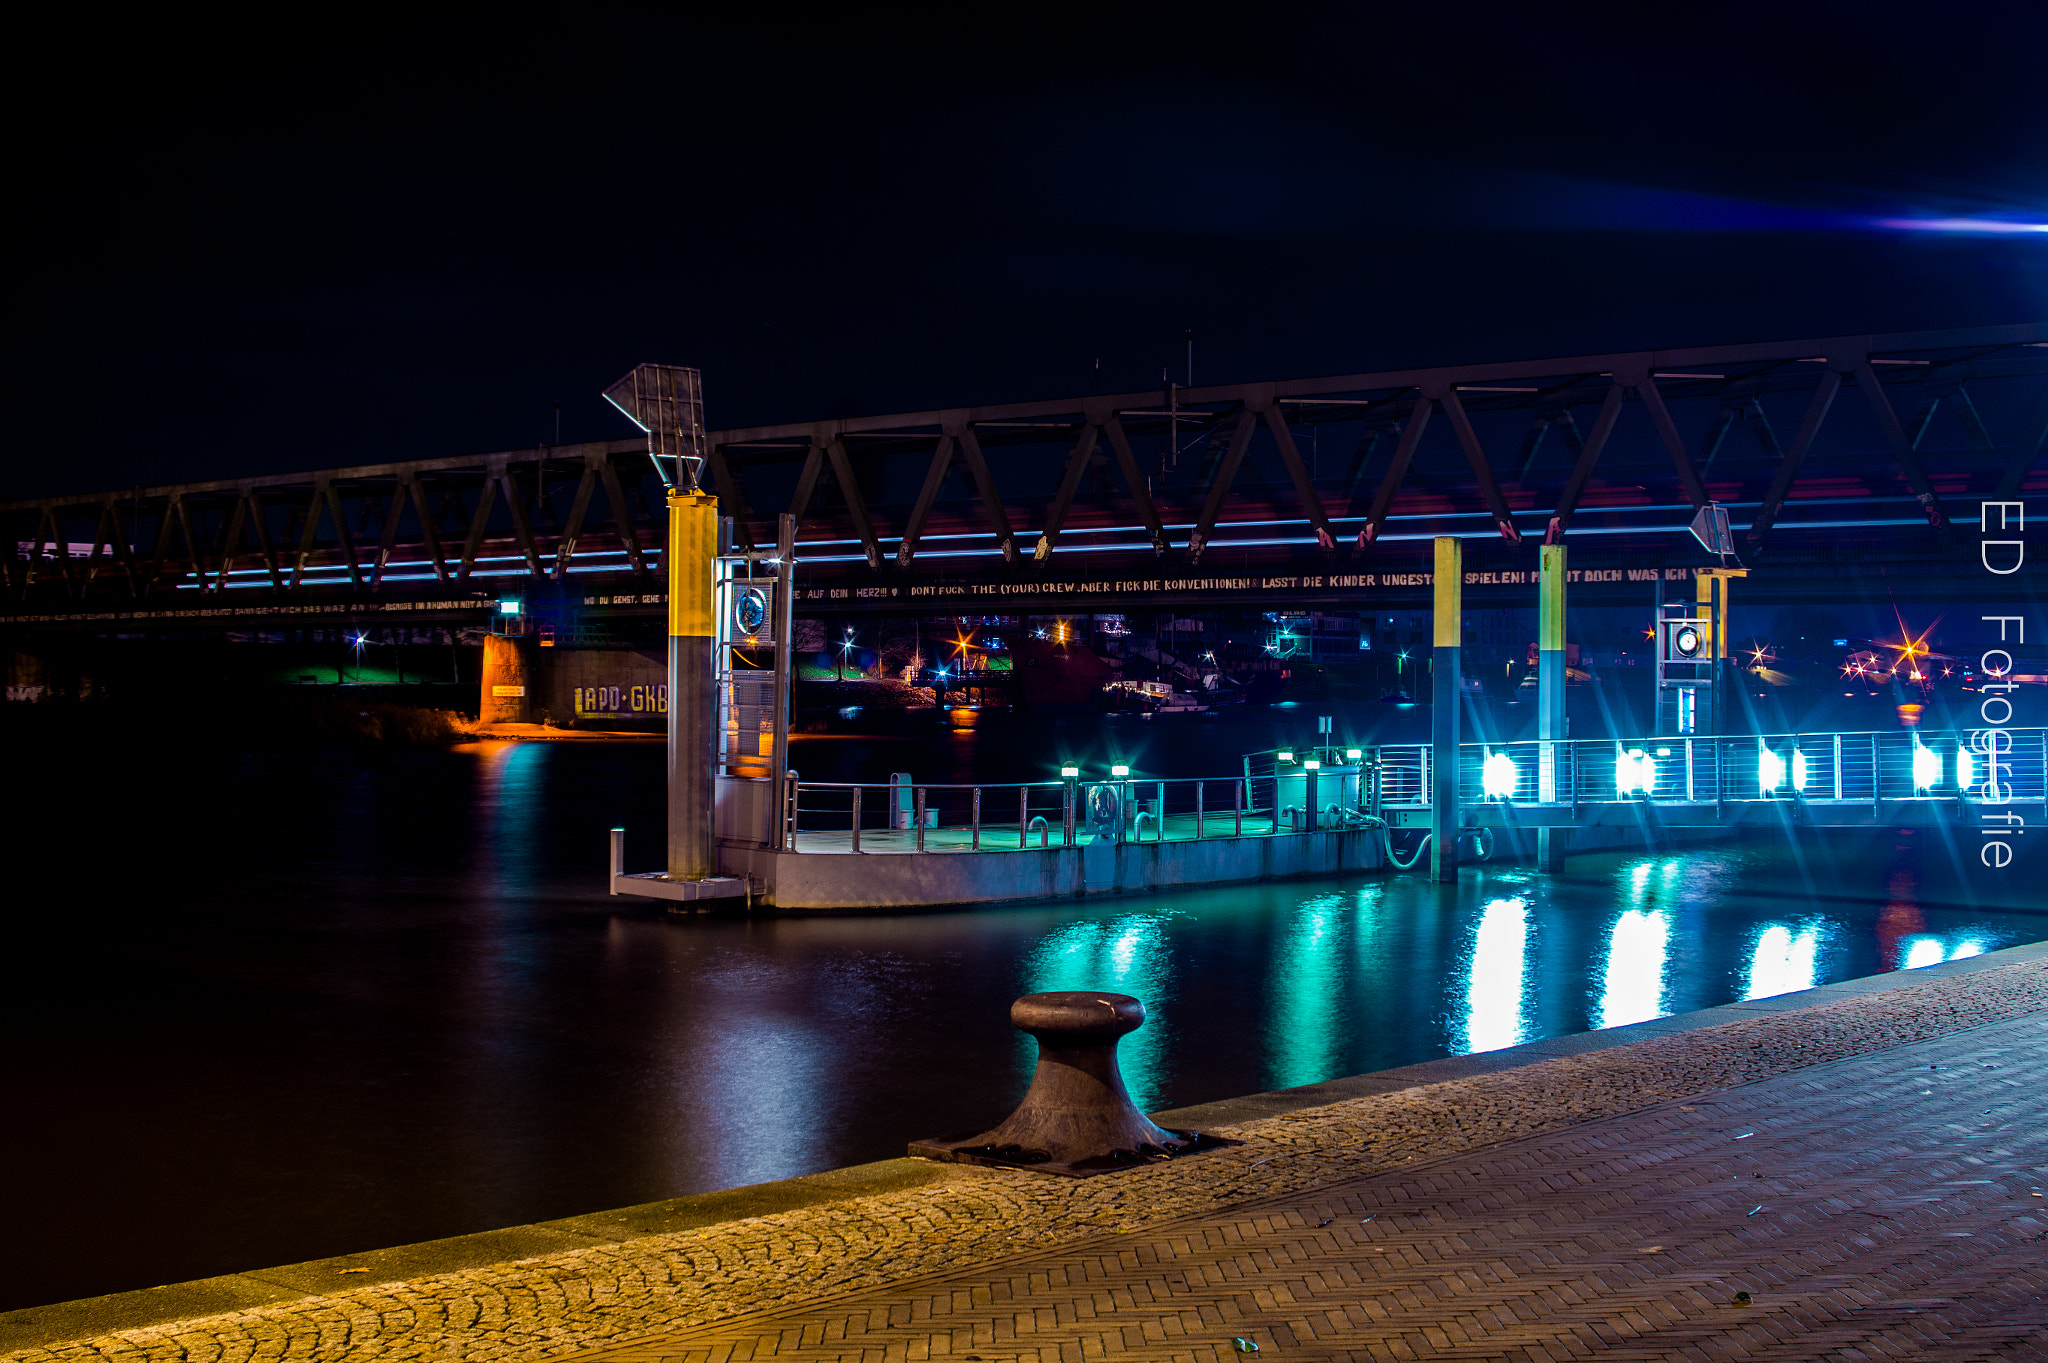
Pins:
<point x="692" y="708"/>
<point x="1550" y="697"/>
<point x="1446" y="680"/>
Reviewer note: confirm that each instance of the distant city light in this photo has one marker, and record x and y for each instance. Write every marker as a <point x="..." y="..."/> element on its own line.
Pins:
<point x="1070" y="772"/>
<point x="509" y="606"/>
<point x="1353" y="754"/>
<point x="1284" y="756"/>
<point x="1119" y="770"/>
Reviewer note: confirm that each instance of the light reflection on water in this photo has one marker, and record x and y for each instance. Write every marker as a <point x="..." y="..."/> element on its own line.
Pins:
<point x="1783" y="962"/>
<point x="1308" y="986"/>
<point x="1634" y="983"/>
<point x="1126" y="954"/>
<point x="1494" y="977"/>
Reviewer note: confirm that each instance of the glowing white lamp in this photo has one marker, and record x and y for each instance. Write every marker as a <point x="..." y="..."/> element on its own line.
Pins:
<point x="1966" y="775"/>
<point x="1926" y="767"/>
<point x="1119" y="770"/>
<point x="1770" y="770"/>
<point x="1633" y="771"/>
<point x="1497" y="776"/>
<point x="1798" y="770"/>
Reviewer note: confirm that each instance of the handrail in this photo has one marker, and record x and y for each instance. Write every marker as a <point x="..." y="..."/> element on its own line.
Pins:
<point x="1864" y="767"/>
<point x="961" y="785"/>
<point x="1173" y="808"/>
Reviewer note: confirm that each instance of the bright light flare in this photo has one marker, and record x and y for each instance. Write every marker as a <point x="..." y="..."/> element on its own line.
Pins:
<point x="1770" y="770"/>
<point x="1798" y="770"/>
<point x="1926" y="767"/>
<point x="1966" y="774"/>
<point x="1634" y="770"/>
<point x="1497" y="776"/>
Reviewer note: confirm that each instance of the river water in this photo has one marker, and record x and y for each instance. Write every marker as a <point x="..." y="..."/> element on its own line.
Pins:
<point x="266" y="1004"/>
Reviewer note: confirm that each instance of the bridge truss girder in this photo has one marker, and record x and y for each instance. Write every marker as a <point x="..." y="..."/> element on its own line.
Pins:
<point x="1189" y="479"/>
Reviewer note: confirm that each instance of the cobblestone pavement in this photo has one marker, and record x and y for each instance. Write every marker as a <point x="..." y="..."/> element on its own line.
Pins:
<point x="1879" y="1207"/>
<point x="1582" y="1224"/>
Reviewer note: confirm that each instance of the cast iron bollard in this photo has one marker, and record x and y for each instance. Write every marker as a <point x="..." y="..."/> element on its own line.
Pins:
<point x="1077" y="1118"/>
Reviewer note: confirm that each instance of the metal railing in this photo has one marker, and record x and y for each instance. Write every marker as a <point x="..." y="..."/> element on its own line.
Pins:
<point x="1270" y="799"/>
<point x="1847" y="767"/>
<point x="900" y="816"/>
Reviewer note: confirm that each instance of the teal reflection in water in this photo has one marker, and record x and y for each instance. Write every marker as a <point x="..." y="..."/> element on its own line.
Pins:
<point x="1637" y="948"/>
<point x="1302" y="1039"/>
<point x="1495" y="982"/>
<point x="1922" y="951"/>
<point x="1782" y="962"/>
<point x="512" y="795"/>
<point x="1128" y="954"/>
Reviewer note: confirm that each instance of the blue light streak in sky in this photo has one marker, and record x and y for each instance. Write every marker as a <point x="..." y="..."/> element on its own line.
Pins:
<point x="1981" y="226"/>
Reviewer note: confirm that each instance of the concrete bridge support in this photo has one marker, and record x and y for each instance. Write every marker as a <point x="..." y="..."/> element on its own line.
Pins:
<point x="504" y="689"/>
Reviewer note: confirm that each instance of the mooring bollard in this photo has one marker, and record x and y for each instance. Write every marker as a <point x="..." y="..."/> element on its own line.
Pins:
<point x="1077" y="1119"/>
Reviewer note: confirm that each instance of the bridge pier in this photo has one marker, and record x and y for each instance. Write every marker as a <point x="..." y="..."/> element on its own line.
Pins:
<point x="1446" y="699"/>
<point x="1551" y="843"/>
<point x="504" y="686"/>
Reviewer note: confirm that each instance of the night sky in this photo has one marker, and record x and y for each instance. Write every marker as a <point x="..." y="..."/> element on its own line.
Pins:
<point x="349" y="236"/>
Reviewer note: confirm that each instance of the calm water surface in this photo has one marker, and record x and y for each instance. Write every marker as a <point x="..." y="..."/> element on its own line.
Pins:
<point x="286" y="1004"/>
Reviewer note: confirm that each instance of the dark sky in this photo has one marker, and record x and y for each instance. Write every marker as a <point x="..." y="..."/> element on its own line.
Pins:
<point x="264" y="244"/>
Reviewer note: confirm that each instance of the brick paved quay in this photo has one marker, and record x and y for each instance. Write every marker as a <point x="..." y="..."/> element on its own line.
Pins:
<point x="1606" y="1194"/>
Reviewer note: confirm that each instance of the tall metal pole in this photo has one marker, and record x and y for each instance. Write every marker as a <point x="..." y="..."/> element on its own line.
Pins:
<point x="785" y="669"/>
<point x="1712" y="592"/>
<point x="1445" y="677"/>
<point x="692" y="706"/>
<point x="1550" y="694"/>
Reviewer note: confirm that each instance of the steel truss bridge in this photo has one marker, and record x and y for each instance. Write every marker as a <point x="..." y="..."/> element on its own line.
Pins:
<point x="1841" y="460"/>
